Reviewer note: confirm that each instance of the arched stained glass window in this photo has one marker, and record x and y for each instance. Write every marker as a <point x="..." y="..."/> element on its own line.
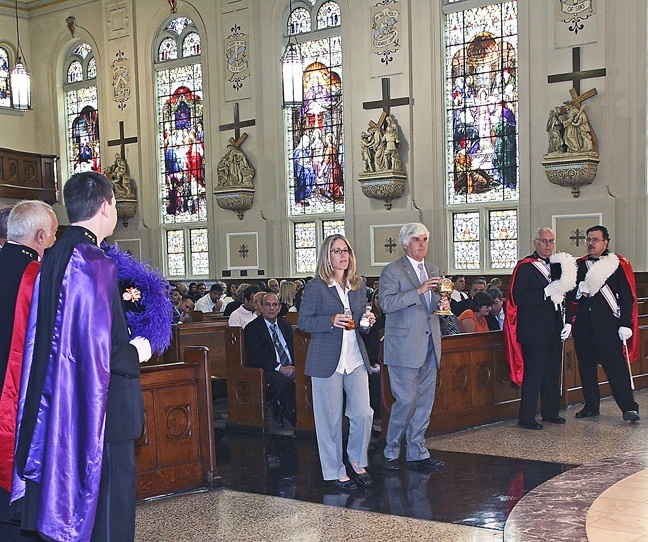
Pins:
<point x="299" y="21"/>
<point x="482" y="135"/>
<point x="81" y="110"/>
<point x="92" y="69"/>
<point x="328" y="15"/>
<point x="168" y="50"/>
<point x="191" y="45"/>
<point x="75" y="72"/>
<point x="181" y="154"/>
<point x="315" y="142"/>
<point x="5" y="70"/>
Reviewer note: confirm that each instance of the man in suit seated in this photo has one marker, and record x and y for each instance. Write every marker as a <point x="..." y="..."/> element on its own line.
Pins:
<point x="269" y="345"/>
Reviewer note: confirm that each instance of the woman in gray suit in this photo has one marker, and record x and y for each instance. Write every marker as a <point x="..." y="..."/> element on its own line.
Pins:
<point x="337" y="361"/>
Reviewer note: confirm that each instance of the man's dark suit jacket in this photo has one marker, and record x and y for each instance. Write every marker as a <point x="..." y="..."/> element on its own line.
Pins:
<point x="538" y="320"/>
<point x="259" y="348"/>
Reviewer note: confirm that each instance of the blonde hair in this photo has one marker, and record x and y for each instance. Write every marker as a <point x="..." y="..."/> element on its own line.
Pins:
<point x="287" y="291"/>
<point x="325" y="269"/>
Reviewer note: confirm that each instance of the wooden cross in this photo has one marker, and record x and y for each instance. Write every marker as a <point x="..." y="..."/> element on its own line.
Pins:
<point x="386" y="102"/>
<point x="122" y="141"/>
<point x="378" y="125"/>
<point x="238" y="138"/>
<point x="577" y="74"/>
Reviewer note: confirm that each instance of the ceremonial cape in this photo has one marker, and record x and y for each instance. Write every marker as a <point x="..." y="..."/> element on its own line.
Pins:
<point x="66" y="373"/>
<point x="632" y="342"/>
<point x="512" y="348"/>
<point x="11" y="386"/>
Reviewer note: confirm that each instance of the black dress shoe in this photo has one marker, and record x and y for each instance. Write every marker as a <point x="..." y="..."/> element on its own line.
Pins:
<point x="427" y="464"/>
<point x="534" y="426"/>
<point x="363" y="479"/>
<point x="391" y="464"/>
<point x="349" y="485"/>
<point x="631" y="416"/>
<point x="554" y="419"/>
<point x="585" y="413"/>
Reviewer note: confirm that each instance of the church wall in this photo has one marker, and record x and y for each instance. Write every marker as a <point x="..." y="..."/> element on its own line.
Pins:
<point x="617" y="114"/>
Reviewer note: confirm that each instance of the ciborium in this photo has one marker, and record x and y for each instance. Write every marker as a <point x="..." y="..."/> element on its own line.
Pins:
<point x="444" y="287"/>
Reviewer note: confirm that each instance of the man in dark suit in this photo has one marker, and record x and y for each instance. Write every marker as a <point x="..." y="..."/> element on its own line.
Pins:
<point x="606" y="320"/>
<point x="269" y="345"/>
<point x="412" y="347"/>
<point x="534" y="326"/>
<point x="458" y="307"/>
<point x="32" y="229"/>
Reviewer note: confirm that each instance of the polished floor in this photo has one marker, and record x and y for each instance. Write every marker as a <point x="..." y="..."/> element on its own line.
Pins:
<point x="273" y="488"/>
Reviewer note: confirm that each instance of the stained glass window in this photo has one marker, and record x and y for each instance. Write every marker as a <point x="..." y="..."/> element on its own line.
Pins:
<point x="181" y="140"/>
<point x="5" y="70"/>
<point x="299" y="21"/>
<point x="503" y="239"/>
<point x="332" y="227"/>
<point x="168" y="50"/>
<point x="315" y="134"/>
<point x="328" y="15"/>
<point x="482" y="125"/>
<point x="465" y="237"/>
<point x="305" y="247"/>
<point x="175" y="253"/>
<point x="191" y="45"/>
<point x="199" y="251"/>
<point x="83" y="50"/>
<point x="75" y="72"/>
<point x="81" y="110"/>
<point x="92" y="69"/>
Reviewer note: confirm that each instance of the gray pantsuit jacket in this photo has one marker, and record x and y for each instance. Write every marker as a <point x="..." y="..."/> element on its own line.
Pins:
<point x="409" y="322"/>
<point x="319" y="304"/>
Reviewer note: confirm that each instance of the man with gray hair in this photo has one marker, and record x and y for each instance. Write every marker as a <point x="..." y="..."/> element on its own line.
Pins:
<point x="412" y="347"/>
<point x="31" y="229"/>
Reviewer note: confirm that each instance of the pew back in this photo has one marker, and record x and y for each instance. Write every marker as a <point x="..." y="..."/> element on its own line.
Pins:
<point x="206" y="333"/>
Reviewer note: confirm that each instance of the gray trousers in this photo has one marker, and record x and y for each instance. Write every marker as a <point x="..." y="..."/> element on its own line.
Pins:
<point x="413" y="390"/>
<point x="327" y="408"/>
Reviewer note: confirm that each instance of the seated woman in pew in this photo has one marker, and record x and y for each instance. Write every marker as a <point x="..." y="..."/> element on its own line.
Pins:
<point x="287" y="291"/>
<point x="473" y="320"/>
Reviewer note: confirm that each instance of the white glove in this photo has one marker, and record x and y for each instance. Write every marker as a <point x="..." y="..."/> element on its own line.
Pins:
<point x="143" y="347"/>
<point x="582" y="289"/>
<point x="566" y="330"/>
<point x="551" y="289"/>
<point x="625" y="333"/>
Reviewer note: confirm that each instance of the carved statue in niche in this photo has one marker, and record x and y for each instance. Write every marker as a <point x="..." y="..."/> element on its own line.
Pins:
<point x="572" y="158"/>
<point x="234" y="170"/>
<point x="118" y="175"/>
<point x="380" y="147"/>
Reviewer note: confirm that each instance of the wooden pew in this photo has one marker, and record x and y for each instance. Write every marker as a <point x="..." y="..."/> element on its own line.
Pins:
<point x="292" y="317"/>
<point x="247" y="392"/>
<point x="176" y="451"/>
<point x="246" y="387"/>
<point x="209" y="334"/>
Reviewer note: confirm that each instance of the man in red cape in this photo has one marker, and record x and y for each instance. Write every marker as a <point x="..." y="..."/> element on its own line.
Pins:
<point x="31" y="229"/>
<point x="606" y="319"/>
<point x="534" y="326"/>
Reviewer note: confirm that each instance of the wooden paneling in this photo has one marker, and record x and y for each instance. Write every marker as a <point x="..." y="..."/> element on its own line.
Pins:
<point x="25" y="175"/>
<point x="176" y="451"/>
<point x="206" y="333"/>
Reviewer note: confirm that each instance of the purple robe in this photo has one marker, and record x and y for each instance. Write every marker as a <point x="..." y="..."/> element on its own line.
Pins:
<point x="66" y="448"/>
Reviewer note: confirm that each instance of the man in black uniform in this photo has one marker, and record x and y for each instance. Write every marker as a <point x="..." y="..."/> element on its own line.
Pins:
<point x="83" y="383"/>
<point x="31" y="229"/>
<point x="606" y="319"/>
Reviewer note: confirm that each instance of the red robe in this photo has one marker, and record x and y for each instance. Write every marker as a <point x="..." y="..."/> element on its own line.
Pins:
<point x="512" y="348"/>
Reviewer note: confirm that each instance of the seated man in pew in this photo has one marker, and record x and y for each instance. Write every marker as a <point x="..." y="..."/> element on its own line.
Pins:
<point x="269" y="345"/>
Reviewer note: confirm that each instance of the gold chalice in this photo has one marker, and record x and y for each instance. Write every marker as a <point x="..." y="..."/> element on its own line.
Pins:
<point x="444" y="287"/>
